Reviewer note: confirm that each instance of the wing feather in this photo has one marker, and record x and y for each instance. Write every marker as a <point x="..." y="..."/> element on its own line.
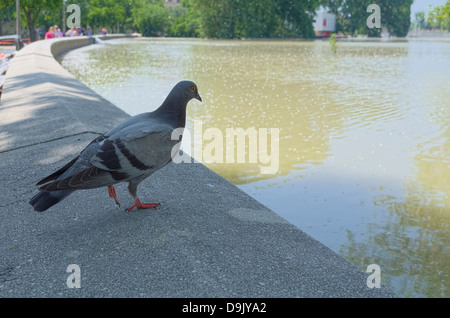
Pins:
<point x="132" y="150"/>
<point x="90" y="178"/>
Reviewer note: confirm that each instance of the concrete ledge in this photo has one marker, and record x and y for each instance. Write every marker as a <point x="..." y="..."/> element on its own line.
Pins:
<point x="208" y="239"/>
<point x="38" y="90"/>
<point x="60" y="47"/>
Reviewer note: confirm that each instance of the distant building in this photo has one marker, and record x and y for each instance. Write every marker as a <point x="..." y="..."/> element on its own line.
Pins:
<point x="324" y="23"/>
<point x="171" y="2"/>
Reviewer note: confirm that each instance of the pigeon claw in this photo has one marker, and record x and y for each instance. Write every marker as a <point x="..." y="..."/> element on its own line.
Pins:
<point x="141" y="205"/>
<point x="112" y="194"/>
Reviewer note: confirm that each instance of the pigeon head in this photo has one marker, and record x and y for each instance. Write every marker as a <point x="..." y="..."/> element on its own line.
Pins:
<point x="188" y="89"/>
<point x="174" y="106"/>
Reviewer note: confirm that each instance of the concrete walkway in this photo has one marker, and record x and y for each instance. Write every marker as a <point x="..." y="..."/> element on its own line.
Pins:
<point x="208" y="239"/>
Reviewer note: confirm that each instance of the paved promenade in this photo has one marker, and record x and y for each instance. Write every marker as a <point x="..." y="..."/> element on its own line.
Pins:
<point x="208" y="238"/>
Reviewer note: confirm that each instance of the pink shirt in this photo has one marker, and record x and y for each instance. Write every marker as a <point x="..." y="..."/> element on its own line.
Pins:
<point x="49" y="35"/>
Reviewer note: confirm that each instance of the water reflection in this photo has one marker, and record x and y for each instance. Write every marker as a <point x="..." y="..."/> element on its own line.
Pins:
<point x="251" y="88"/>
<point x="364" y="136"/>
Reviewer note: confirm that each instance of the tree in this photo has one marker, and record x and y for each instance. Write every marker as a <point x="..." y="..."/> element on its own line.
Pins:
<point x="184" y="20"/>
<point x="419" y="20"/>
<point x="396" y="16"/>
<point x="263" y="18"/>
<point x="218" y="18"/>
<point x="352" y="16"/>
<point x="7" y="10"/>
<point x="151" y="17"/>
<point x="31" y="9"/>
<point x="258" y="19"/>
<point x="440" y="16"/>
<point x="297" y="16"/>
<point x="106" y="13"/>
<point x="48" y="17"/>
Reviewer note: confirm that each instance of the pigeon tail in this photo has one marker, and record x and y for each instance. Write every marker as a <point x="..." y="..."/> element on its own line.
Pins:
<point x="44" y="200"/>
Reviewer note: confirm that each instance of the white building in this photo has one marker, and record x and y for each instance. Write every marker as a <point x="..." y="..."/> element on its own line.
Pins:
<point x="324" y="23"/>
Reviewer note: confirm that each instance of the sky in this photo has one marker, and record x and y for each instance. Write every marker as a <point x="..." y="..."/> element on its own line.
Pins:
<point x="424" y="5"/>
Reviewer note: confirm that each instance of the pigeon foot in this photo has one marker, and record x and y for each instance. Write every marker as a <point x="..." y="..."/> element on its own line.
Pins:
<point x="141" y="205"/>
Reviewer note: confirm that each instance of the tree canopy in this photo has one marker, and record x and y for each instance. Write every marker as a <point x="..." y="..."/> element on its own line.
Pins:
<point x="225" y="18"/>
<point x="351" y="16"/>
<point x="256" y="19"/>
<point x="440" y="16"/>
<point x="31" y="10"/>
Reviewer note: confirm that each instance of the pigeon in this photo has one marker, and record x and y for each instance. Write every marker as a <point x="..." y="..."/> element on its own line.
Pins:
<point x="129" y="152"/>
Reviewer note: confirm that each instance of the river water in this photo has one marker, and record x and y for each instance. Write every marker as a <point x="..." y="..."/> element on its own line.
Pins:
<point x="362" y="162"/>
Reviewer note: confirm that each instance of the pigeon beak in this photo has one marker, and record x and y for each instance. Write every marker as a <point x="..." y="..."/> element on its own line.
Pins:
<point x="197" y="96"/>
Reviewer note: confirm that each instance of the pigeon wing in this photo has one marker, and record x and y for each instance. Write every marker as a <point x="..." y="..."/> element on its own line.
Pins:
<point x="130" y="153"/>
<point x="136" y="150"/>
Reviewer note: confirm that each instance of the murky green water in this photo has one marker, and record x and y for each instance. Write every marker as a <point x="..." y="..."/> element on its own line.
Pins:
<point x="364" y="136"/>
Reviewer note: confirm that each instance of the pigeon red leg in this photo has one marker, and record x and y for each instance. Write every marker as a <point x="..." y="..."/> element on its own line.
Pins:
<point x="112" y="194"/>
<point x="132" y="189"/>
<point x="141" y="205"/>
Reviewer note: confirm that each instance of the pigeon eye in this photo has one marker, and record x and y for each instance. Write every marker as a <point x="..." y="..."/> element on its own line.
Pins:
<point x="192" y="88"/>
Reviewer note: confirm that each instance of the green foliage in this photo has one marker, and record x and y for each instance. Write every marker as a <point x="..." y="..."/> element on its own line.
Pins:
<point x="32" y="9"/>
<point x="210" y="18"/>
<point x="258" y="19"/>
<point x="151" y="17"/>
<point x="396" y="16"/>
<point x="106" y="13"/>
<point x="7" y="13"/>
<point x="184" y="20"/>
<point x="439" y="17"/>
<point x="351" y="16"/>
<point x="54" y="16"/>
<point x="253" y="19"/>
<point x="419" y="21"/>
<point x="332" y="41"/>
<point x="218" y="18"/>
<point x="7" y="10"/>
<point x="297" y="17"/>
<point x="226" y="18"/>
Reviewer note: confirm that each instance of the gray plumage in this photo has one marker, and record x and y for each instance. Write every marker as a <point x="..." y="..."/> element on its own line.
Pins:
<point x="129" y="152"/>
